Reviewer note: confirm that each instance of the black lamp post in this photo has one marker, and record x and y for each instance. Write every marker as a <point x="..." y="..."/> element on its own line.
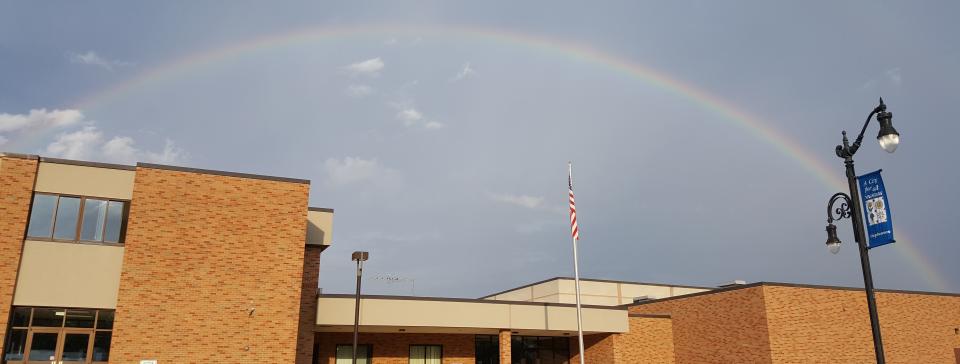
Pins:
<point x="359" y="257"/>
<point x="850" y="208"/>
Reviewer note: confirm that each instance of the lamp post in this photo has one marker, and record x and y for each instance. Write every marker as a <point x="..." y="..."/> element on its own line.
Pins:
<point x="358" y="257"/>
<point x="850" y="208"/>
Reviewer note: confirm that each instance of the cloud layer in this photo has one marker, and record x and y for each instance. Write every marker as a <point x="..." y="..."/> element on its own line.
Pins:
<point x="91" y="58"/>
<point x="370" y="67"/>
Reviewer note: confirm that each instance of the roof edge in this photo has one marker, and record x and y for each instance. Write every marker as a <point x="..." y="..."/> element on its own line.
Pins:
<point x="222" y="173"/>
<point x="88" y="164"/>
<point x="595" y="280"/>
<point x="467" y="300"/>
<point x="320" y="209"/>
<point x="19" y="155"/>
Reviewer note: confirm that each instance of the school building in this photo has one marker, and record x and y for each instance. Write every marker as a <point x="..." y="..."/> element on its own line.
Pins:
<point x="151" y="263"/>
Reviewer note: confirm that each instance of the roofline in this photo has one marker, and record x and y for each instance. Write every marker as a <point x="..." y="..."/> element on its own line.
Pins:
<point x="88" y="164"/>
<point x="221" y="173"/>
<point x="595" y="280"/>
<point x="467" y="300"/>
<point x="320" y="209"/>
<point x="19" y="155"/>
<point x="783" y="284"/>
<point x="649" y="315"/>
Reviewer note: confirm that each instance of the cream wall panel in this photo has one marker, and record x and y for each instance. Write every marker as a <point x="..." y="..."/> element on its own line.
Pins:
<point x="546" y="289"/>
<point x="84" y="180"/>
<point x="523" y="294"/>
<point x="319" y="227"/>
<point x="68" y="275"/>
<point x="630" y="291"/>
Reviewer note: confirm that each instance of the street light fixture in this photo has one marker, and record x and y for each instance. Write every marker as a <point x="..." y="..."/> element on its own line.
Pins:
<point x="358" y="257"/>
<point x="850" y="208"/>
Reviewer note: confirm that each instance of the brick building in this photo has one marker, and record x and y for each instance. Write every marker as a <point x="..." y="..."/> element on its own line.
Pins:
<point x="125" y="264"/>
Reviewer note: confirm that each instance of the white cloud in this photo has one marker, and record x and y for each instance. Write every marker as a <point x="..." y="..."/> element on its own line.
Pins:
<point x="359" y="91"/>
<point x="91" y="58"/>
<point x="39" y="119"/>
<point x="465" y="72"/>
<point x="409" y="116"/>
<point x="370" y="67"/>
<point x="122" y="149"/>
<point x="80" y="144"/>
<point x="433" y="125"/>
<point x="526" y="201"/>
<point x="351" y="170"/>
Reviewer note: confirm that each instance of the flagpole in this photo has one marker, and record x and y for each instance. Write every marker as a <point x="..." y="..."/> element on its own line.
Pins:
<point x="576" y="274"/>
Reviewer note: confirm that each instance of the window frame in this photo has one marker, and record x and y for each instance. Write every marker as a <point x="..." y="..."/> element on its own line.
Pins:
<point x="124" y="219"/>
<point x="410" y="348"/>
<point x="369" y="351"/>
<point x="61" y="330"/>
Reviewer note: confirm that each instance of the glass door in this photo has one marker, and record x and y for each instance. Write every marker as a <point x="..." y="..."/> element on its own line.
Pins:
<point x="75" y="347"/>
<point x="42" y="346"/>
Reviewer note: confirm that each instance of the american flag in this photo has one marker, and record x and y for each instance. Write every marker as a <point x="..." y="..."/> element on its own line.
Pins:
<point x="574" y="229"/>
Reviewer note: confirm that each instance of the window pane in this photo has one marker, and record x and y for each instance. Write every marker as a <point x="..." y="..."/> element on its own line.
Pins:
<point x="16" y="345"/>
<point x="94" y="218"/>
<point x="417" y="354"/>
<point x="43" y="346"/>
<point x="21" y="317"/>
<point x="80" y="318"/>
<point x="105" y="320"/>
<point x="47" y="317"/>
<point x="75" y="347"/>
<point x="41" y="216"/>
<point x="114" y="221"/>
<point x="101" y="346"/>
<point x="345" y="354"/>
<point x="67" y="216"/>
<point x="433" y="354"/>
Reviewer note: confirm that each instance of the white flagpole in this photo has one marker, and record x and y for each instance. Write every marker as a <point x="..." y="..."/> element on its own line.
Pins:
<point x="576" y="277"/>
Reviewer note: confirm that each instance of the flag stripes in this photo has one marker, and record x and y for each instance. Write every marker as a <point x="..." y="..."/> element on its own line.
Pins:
<point x="574" y="229"/>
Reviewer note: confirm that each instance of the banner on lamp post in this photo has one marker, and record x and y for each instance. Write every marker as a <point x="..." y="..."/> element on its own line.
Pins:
<point x="876" y="210"/>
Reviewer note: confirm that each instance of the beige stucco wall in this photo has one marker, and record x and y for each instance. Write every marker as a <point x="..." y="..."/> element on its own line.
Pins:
<point x="601" y="293"/>
<point x="68" y="275"/>
<point x="380" y="312"/>
<point x="85" y="181"/>
<point x="319" y="227"/>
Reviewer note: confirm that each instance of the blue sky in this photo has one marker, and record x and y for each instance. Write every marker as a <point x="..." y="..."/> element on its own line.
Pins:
<point x="444" y="154"/>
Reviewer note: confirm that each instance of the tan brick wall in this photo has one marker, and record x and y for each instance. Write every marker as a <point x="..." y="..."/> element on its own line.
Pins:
<point x="722" y="327"/>
<point x="813" y="325"/>
<point x="599" y="349"/>
<point x="395" y="348"/>
<point x="308" y="304"/>
<point x="201" y="250"/>
<point x="506" y="348"/>
<point x="650" y="340"/>
<point x="16" y="191"/>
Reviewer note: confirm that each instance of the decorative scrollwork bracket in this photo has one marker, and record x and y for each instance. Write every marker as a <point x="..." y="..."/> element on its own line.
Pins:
<point x="839" y="212"/>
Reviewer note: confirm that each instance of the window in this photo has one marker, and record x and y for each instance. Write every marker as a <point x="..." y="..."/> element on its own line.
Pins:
<point x="487" y="349"/>
<point x="345" y="354"/>
<point x="426" y="354"/>
<point x="73" y="218"/>
<point x="58" y="331"/>
<point x="542" y="350"/>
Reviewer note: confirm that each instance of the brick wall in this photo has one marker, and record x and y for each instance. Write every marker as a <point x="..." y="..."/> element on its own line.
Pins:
<point x="201" y="251"/>
<point x="17" y="176"/>
<point x="599" y="349"/>
<point x="308" y="304"/>
<point x="505" y="345"/>
<point x="650" y="340"/>
<point x="395" y="348"/>
<point x="721" y="327"/>
<point x="815" y="325"/>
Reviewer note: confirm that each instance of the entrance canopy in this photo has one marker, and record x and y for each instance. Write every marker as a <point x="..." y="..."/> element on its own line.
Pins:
<point x="464" y="316"/>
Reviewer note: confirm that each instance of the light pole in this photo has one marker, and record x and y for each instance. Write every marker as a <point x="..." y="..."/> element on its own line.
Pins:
<point x="850" y="208"/>
<point x="359" y="257"/>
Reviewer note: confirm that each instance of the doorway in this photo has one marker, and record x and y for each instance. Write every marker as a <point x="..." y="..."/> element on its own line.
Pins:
<point x="58" y="336"/>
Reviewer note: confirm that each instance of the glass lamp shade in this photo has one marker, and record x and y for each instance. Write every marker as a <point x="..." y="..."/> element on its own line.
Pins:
<point x="834" y="247"/>
<point x="833" y="243"/>
<point x="889" y="142"/>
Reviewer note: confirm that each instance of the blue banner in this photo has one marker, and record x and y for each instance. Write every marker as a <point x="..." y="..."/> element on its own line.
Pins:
<point x="876" y="210"/>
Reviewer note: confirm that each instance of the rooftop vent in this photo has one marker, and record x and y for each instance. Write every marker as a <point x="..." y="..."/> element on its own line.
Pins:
<point x="733" y="283"/>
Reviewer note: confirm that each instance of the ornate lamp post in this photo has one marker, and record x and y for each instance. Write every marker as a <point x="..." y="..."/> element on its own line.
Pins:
<point x="850" y="208"/>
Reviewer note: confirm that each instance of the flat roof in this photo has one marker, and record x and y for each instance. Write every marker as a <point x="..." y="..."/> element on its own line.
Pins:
<point x="594" y="280"/>
<point x="783" y="284"/>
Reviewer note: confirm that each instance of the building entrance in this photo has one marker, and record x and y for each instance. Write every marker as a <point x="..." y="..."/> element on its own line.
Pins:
<point x="58" y="336"/>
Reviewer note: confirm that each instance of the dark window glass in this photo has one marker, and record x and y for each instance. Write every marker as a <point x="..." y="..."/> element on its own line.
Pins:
<point x="68" y="211"/>
<point x="43" y="346"/>
<point x="21" y="317"/>
<point x="94" y="219"/>
<point x="114" y="222"/>
<point x="48" y="317"/>
<point x="345" y="354"/>
<point x="80" y="318"/>
<point x="487" y="349"/>
<point x="105" y="320"/>
<point x="41" y="216"/>
<point x="16" y="345"/>
<point x="101" y="346"/>
<point x="75" y="347"/>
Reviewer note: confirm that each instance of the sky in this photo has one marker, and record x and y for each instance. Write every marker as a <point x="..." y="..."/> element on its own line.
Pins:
<point x="701" y="133"/>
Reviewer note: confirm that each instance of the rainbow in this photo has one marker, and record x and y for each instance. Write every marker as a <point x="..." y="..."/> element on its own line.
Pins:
<point x="563" y="48"/>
